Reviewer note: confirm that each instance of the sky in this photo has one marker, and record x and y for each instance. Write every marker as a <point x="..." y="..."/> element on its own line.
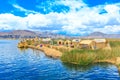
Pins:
<point x="67" y="17"/>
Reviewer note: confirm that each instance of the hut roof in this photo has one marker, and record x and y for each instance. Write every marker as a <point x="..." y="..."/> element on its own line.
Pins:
<point x="99" y="40"/>
<point x="86" y="41"/>
<point x="61" y="40"/>
<point x="67" y="41"/>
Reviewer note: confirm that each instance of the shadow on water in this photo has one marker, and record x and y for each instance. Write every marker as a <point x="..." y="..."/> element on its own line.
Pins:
<point x="34" y="51"/>
<point x="77" y="67"/>
<point x="22" y="49"/>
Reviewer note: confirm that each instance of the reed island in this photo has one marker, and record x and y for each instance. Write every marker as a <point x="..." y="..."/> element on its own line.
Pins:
<point x="77" y="51"/>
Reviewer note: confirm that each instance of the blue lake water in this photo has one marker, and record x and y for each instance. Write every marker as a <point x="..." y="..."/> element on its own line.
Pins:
<point x="16" y="64"/>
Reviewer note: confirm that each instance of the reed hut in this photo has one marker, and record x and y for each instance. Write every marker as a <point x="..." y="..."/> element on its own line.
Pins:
<point x="60" y="42"/>
<point x="100" y="43"/>
<point x="46" y="40"/>
<point x="87" y="44"/>
<point x="36" y="39"/>
<point x="75" y="43"/>
<point x="68" y="43"/>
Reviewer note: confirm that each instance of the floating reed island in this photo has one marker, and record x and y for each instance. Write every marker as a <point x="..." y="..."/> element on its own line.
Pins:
<point x="77" y="51"/>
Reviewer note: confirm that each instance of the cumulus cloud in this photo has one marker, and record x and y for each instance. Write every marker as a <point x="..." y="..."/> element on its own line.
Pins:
<point x="81" y="19"/>
<point x="112" y="9"/>
<point x="109" y="29"/>
<point x="9" y="22"/>
<point x="37" y="20"/>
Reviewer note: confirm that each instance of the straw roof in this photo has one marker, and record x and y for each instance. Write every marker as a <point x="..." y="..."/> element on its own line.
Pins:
<point x="60" y="40"/>
<point x="67" y="41"/>
<point x="86" y="41"/>
<point x="99" y="40"/>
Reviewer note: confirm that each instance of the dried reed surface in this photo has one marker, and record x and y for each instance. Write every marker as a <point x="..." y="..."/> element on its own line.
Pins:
<point x="48" y="51"/>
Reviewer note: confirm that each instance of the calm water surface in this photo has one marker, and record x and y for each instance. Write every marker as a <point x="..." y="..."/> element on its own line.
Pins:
<point x="16" y="64"/>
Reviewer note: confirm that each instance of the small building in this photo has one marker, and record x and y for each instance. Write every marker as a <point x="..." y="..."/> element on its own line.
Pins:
<point x="75" y="43"/>
<point x="36" y="39"/>
<point x="68" y="43"/>
<point x="60" y="42"/>
<point x="100" y="43"/>
<point x="46" y="40"/>
<point x="87" y="44"/>
<point x="76" y="40"/>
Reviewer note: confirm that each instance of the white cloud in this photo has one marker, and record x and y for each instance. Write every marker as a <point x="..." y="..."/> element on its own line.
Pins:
<point x="9" y="21"/>
<point x="112" y="9"/>
<point x="111" y="29"/>
<point x="81" y="21"/>
<point x="37" y="20"/>
<point x="23" y="9"/>
<point x="73" y="4"/>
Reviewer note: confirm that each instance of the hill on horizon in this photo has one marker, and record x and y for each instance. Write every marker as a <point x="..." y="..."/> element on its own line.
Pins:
<point x="31" y="34"/>
<point x="28" y="34"/>
<point x="102" y="35"/>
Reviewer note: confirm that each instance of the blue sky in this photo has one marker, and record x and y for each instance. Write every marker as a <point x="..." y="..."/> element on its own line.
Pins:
<point x="68" y="17"/>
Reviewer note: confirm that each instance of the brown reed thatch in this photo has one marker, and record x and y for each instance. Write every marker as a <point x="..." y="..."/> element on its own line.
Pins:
<point x="100" y="43"/>
<point x="67" y="43"/>
<point x="87" y="44"/>
<point x="60" y="42"/>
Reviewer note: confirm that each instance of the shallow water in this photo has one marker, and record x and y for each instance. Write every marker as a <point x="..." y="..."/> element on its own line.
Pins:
<point x="16" y="64"/>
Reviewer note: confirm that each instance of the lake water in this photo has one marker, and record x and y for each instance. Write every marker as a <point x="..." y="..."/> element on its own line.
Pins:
<point x="16" y="64"/>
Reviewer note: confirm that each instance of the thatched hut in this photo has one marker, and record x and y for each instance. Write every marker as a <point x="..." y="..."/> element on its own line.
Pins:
<point x="75" y="43"/>
<point x="100" y="43"/>
<point x="68" y="43"/>
<point x="76" y="40"/>
<point x="36" y="39"/>
<point x="46" y="40"/>
<point x="60" y="42"/>
<point x="87" y="44"/>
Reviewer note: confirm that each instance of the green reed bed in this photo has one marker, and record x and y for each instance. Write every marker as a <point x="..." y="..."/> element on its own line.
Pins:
<point x="78" y="57"/>
<point x="86" y="57"/>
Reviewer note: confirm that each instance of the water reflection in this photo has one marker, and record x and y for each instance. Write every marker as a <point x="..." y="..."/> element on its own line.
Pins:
<point x="37" y="52"/>
<point x="77" y="67"/>
<point x="34" y="51"/>
<point x="31" y="64"/>
<point x="22" y="49"/>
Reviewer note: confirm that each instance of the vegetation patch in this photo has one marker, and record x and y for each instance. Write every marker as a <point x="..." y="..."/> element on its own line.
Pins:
<point x="86" y="57"/>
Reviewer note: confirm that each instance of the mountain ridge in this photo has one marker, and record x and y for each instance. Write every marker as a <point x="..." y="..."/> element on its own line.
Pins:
<point x="28" y="34"/>
<point x="102" y="35"/>
<point x="31" y="34"/>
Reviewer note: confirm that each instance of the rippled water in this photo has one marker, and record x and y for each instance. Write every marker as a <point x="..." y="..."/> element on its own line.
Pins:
<point x="16" y="64"/>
